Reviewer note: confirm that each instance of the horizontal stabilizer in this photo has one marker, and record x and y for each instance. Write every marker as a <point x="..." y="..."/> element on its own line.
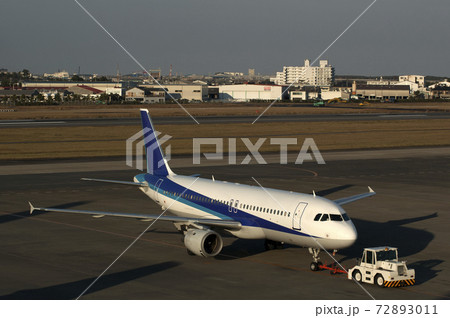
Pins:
<point x="31" y="207"/>
<point x="139" y="184"/>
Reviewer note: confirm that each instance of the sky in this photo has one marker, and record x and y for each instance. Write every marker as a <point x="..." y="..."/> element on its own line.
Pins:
<point x="206" y="36"/>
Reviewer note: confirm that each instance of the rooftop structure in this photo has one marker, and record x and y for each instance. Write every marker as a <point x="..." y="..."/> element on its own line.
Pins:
<point x="419" y="79"/>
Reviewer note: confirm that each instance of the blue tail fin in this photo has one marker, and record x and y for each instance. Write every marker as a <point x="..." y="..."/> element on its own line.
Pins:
<point x="156" y="164"/>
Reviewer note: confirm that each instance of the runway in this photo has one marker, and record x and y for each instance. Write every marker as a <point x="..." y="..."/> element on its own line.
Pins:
<point x="56" y="256"/>
<point x="223" y="119"/>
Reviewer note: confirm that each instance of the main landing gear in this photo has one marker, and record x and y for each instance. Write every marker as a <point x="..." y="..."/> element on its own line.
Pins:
<point x="315" y="265"/>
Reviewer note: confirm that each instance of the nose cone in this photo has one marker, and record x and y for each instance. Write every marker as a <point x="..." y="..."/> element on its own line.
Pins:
<point x="354" y="233"/>
<point x="346" y="236"/>
<point x="351" y="234"/>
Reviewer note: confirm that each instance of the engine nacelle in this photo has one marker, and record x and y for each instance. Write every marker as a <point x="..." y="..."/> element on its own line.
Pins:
<point x="204" y="243"/>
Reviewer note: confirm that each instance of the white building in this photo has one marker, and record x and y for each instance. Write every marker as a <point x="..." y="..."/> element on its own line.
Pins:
<point x="102" y="86"/>
<point x="184" y="91"/>
<point x="413" y="86"/>
<point x="304" y="94"/>
<point x="446" y="83"/>
<point x="236" y="74"/>
<point x="381" y="82"/>
<point x="322" y="75"/>
<point x="248" y="92"/>
<point x="334" y="94"/>
<point x="145" y="95"/>
<point x="60" y="75"/>
<point x="114" y="90"/>
<point x="419" y="79"/>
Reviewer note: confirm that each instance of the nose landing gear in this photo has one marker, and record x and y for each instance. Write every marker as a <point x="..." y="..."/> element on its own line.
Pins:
<point x="315" y="265"/>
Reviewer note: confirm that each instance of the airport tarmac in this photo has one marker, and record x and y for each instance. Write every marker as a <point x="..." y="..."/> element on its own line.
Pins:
<point x="56" y="256"/>
<point x="223" y="119"/>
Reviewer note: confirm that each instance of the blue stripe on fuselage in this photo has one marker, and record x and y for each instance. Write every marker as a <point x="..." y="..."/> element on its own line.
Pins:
<point x="215" y="208"/>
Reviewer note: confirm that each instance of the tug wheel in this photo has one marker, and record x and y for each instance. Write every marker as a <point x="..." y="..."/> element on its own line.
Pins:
<point x="379" y="280"/>
<point x="357" y="276"/>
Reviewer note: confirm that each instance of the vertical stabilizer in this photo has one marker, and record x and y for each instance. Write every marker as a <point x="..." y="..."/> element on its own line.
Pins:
<point x="156" y="164"/>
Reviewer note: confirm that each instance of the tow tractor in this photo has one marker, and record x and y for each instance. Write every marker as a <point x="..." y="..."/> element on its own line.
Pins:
<point x="380" y="266"/>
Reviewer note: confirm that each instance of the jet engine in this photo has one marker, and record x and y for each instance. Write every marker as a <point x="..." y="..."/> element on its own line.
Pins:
<point x="204" y="243"/>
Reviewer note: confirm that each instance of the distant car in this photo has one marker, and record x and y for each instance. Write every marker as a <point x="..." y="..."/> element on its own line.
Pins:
<point x="319" y="103"/>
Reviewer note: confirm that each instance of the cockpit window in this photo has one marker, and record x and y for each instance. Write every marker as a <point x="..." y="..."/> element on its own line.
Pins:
<point x="325" y="217"/>
<point x="345" y="216"/>
<point x="335" y="217"/>
<point x="317" y="218"/>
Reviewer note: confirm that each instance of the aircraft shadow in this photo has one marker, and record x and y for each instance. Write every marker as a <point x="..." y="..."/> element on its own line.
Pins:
<point x="73" y="289"/>
<point x="326" y="192"/>
<point x="19" y="215"/>
<point x="241" y="248"/>
<point x="424" y="270"/>
<point x="409" y="240"/>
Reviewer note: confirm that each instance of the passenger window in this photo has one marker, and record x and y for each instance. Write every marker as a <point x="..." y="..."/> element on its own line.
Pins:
<point x="317" y="218"/>
<point x="325" y="217"/>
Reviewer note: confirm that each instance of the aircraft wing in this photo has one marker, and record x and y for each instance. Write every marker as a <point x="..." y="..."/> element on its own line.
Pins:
<point x="353" y="198"/>
<point x="226" y="224"/>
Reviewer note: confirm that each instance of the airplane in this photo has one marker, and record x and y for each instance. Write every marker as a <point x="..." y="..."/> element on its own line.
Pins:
<point x="203" y="207"/>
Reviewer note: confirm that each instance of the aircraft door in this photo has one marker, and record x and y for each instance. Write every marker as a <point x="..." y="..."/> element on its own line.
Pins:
<point x="298" y="214"/>
<point x="157" y="186"/>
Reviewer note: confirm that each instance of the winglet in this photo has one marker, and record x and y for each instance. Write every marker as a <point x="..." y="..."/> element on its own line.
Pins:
<point x="314" y="193"/>
<point x="370" y="189"/>
<point x="31" y="207"/>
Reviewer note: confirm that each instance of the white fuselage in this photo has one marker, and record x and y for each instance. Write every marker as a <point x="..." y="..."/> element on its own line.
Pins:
<point x="264" y="213"/>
